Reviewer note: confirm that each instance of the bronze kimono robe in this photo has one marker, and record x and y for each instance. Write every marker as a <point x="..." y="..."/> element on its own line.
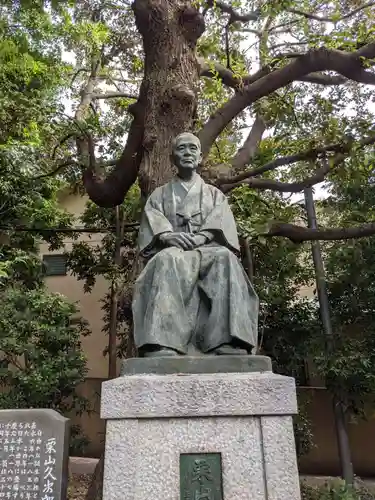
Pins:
<point x="194" y="299"/>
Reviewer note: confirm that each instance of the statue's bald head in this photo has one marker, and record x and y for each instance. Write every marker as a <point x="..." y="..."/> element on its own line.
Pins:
<point x="186" y="151"/>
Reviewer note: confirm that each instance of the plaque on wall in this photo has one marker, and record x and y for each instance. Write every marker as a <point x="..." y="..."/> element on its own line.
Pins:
<point x="201" y="476"/>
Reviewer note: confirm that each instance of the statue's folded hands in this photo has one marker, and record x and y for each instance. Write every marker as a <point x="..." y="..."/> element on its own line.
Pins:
<point x="179" y="240"/>
<point x="198" y="239"/>
<point x="186" y="241"/>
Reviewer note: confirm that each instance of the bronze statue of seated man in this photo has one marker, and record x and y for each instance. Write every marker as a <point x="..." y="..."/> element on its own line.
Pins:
<point x="193" y="296"/>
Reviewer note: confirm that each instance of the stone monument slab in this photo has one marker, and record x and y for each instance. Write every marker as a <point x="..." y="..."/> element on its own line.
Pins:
<point x="34" y="454"/>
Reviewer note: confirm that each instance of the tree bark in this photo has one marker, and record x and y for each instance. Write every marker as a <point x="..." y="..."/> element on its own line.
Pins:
<point x="170" y="30"/>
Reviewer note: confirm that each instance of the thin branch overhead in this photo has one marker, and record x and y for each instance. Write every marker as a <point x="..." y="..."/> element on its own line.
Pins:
<point x="234" y="15"/>
<point x="212" y="69"/>
<point x="332" y="19"/>
<point x="251" y="144"/>
<point x="60" y="167"/>
<point x="128" y="227"/>
<point x="112" y="95"/>
<point x="308" y="155"/>
<point x="299" y="234"/>
<point x="70" y="162"/>
<point x="328" y="165"/>
<point x="285" y="187"/>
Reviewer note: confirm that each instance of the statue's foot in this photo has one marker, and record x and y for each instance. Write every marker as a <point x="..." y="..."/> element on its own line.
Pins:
<point x="229" y="350"/>
<point x="162" y="352"/>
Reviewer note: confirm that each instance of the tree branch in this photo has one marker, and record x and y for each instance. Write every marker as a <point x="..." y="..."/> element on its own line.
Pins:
<point x="71" y="161"/>
<point x="214" y="70"/>
<point x="250" y="146"/>
<point x="77" y="72"/>
<point x="110" y="95"/>
<point x="61" y="142"/>
<point x="110" y="191"/>
<point x="298" y="234"/>
<point x="227" y="49"/>
<point x="343" y="148"/>
<point x="211" y="70"/>
<point x="56" y="170"/>
<point x="263" y="40"/>
<point x="349" y="65"/>
<point x="234" y="15"/>
<point x="85" y="154"/>
<point x="322" y="79"/>
<point x="286" y="187"/>
<point x="251" y="30"/>
<point x="287" y="44"/>
<point x="287" y="24"/>
<point x="323" y="19"/>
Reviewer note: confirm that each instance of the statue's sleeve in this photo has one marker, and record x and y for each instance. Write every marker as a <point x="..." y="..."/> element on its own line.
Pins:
<point x="153" y="224"/>
<point x="220" y="222"/>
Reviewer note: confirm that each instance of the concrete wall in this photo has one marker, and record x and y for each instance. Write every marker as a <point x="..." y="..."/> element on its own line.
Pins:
<point x="324" y="459"/>
<point x="92" y="425"/>
<point x="88" y="303"/>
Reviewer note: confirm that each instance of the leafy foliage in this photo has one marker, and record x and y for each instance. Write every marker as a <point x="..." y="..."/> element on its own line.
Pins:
<point x="42" y="361"/>
<point x="88" y="261"/>
<point x="350" y="275"/>
<point x="41" y="358"/>
<point x="336" y="491"/>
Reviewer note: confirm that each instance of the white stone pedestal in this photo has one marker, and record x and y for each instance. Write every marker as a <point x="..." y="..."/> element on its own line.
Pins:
<point x="152" y="419"/>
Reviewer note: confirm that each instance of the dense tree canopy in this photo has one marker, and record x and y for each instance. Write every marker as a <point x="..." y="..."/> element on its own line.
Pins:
<point x="292" y="80"/>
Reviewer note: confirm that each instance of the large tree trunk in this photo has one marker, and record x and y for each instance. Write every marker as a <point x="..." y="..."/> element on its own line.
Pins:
<point x="170" y="30"/>
<point x="167" y="101"/>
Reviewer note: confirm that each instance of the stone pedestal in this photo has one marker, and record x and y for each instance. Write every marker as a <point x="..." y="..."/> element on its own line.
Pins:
<point x="246" y="417"/>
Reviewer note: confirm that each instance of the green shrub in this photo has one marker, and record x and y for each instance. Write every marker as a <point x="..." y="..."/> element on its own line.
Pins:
<point x="335" y="491"/>
<point x="41" y="359"/>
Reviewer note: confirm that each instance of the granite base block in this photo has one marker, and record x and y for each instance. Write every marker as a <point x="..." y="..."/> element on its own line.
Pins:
<point x="190" y="365"/>
<point x="204" y="395"/>
<point x="247" y="417"/>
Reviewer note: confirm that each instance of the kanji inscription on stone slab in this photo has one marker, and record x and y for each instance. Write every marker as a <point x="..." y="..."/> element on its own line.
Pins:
<point x="201" y="476"/>
<point x="34" y="454"/>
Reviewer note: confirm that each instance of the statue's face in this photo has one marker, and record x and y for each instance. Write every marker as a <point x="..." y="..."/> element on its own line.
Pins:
<point x="187" y="152"/>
